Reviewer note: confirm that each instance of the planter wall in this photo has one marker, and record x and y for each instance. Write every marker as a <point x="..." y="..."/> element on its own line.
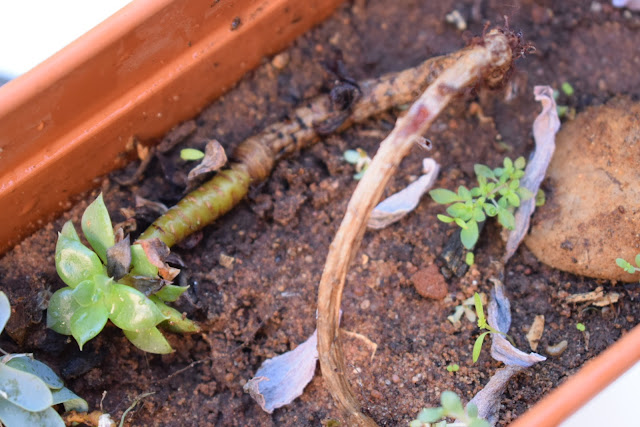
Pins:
<point x="148" y="67"/>
<point x="145" y="69"/>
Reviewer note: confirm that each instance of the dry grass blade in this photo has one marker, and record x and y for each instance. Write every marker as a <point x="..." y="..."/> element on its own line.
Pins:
<point x="489" y="59"/>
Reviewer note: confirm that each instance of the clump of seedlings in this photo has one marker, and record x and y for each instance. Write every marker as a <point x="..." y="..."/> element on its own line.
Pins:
<point x="360" y="159"/>
<point x="29" y="389"/>
<point x="127" y="284"/>
<point x="497" y="195"/>
<point x="451" y="407"/>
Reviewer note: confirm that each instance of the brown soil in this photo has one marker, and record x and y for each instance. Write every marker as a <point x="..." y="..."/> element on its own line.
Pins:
<point x="264" y="304"/>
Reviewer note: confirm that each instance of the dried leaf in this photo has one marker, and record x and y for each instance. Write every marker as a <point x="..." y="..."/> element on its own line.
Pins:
<point x="597" y="297"/>
<point x="155" y="207"/>
<point x="535" y="332"/>
<point x="499" y="317"/>
<point x="545" y="127"/>
<point x="157" y="252"/>
<point x="119" y="259"/>
<point x="398" y="205"/>
<point x="146" y="285"/>
<point x="214" y="159"/>
<point x="283" y="378"/>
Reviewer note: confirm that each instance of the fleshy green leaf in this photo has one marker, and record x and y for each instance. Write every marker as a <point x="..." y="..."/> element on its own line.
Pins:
<point x="96" y="226"/>
<point x="5" y="310"/>
<point x="191" y="154"/>
<point x="472" y="410"/>
<point x="62" y="305"/>
<point x="506" y="219"/>
<point x="430" y="415"/>
<point x="171" y="293"/>
<point x="75" y="262"/>
<point x="175" y="321"/>
<point x="141" y="266"/>
<point x="87" y="322"/>
<point x="130" y="309"/>
<point x="23" y="389"/>
<point x="69" y="232"/>
<point x="445" y="219"/>
<point x="469" y="236"/>
<point x="351" y="156"/>
<point x="443" y="196"/>
<point x="14" y="416"/>
<point x="479" y="422"/>
<point x="70" y="400"/>
<point x="149" y="340"/>
<point x="490" y="209"/>
<point x="86" y="294"/>
<point x="477" y="346"/>
<point x="483" y="171"/>
<point x="451" y="403"/>
<point x="29" y="365"/>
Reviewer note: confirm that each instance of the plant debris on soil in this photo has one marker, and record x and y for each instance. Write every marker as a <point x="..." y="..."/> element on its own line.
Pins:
<point x="253" y="275"/>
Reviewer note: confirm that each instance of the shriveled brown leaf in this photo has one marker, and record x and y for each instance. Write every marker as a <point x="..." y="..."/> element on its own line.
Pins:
<point x="146" y="285"/>
<point x="157" y="253"/>
<point x="156" y="207"/>
<point x="597" y="298"/>
<point x="119" y="259"/>
<point x="535" y="332"/>
<point x="214" y="159"/>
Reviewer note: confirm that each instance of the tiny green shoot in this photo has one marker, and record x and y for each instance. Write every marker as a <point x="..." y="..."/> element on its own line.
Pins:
<point x="567" y="89"/>
<point x="360" y="159"/>
<point x="497" y="195"/>
<point x="469" y="259"/>
<point x="451" y="407"/>
<point x="581" y="327"/>
<point x="482" y="324"/>
<point x="454" y="367"/>
<point x="189" y="154"/>
<point x="627" y="266"/>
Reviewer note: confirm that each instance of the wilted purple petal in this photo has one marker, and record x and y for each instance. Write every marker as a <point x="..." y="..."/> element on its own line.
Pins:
<point x="545" y="127"/>
<point x="283" y="378"/>
<point x="398" y="205"/>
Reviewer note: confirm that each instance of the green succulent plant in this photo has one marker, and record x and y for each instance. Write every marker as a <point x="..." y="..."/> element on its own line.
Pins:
<point x="29" y="389"/>
<point x="497" y="195"/>
<point x="111" y="282"/>
<point x="451" y="407"/>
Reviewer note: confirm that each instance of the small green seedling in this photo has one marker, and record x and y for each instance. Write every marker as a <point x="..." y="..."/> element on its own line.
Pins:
<point x="29" y="389"/>
<point x="581" y="327"/>
<point x="567" y="89"/>
<point x="626" y="266"/>
<point x="451" y="407"/>
<point x="482" y="324"/>
<point x="111" y="282"/>
<point x="360" y="159"/>
<point x="454" y="367"/>
<point x="189" y="154"/>
<point x="498" y="194"/>
<point x="469" y="259"/>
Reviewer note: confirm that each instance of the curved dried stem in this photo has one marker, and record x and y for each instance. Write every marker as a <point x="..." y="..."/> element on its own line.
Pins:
<point x="489" y="59"/>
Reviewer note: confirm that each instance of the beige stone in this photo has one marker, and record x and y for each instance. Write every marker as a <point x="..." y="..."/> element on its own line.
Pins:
<point x="592" y="214"/>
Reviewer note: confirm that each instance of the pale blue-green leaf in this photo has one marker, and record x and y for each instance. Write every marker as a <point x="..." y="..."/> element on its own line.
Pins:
<point x="87" y="293"/>
<point x="351" y="156"/>
<point x="490" y="209"/>
<point x="70" y="400"/>
<point x="451" y="403"/>
<point x="460" y="210"/>
<point x="150" y="340"/>
<point x="478" y="214"/>
<point x="360" y="174"/>
<point x="479" y="422"/>
<point x="506" y="218"/>
<point x="637" y="260"/>
<point x="29" y="365"/>
<point x="175" y="321"/>
<point x="469" y="236"/>
<point x="625" y="265"/>
<point x="5" y="310"/>
<point x="141" y="266"/>
<point x="524" y="193"/>
<point x="87" y="322"/>
<point x="464" y="193"/>
<point x="24" y="389"/>
<point x="62" y="305"/>
<point x="430" y="415"/>
<point x="508" y="164"/>
<point x="76" y="263"/>
<point x="68" y="232"/>
<point x="498" y="172"/>
<point x="443" y="196"/>
<point x="513" y="199"/>
<point x="96" y="226"/>
<point x="483" y="171"/>
<point x="476" y="192"/>
<point x="14" y="416"/>
<point x="472" y="410"/>
<point x="517" y="174"/>
<point x="171" y="293"/>
<point x="130" y="309"/>
<point x="514" y="184"/>
<point x="520" y="163"/>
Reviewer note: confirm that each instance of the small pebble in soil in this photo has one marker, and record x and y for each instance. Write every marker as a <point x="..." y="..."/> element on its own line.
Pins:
<point x="281" y="60"/>
<point x="430" y="283"/>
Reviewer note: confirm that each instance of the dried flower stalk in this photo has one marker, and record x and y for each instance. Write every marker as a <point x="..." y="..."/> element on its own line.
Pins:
<point x="489" y="59"/>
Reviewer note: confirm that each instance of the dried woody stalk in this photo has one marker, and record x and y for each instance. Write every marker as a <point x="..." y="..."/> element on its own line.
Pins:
<point x="256" y="156"/>
<point x="489" y="59"/>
